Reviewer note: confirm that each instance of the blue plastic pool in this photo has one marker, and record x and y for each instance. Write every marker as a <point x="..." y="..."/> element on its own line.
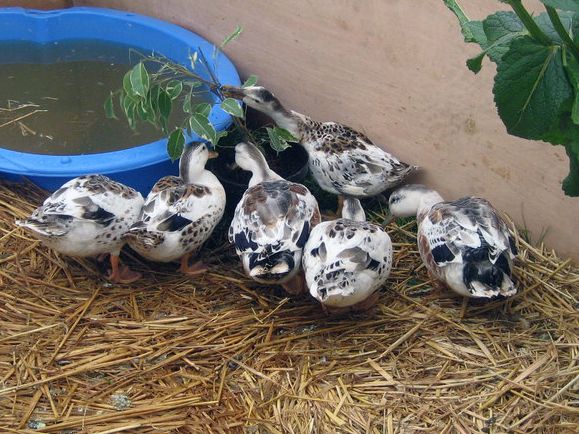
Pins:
<point x="141" y="166"/>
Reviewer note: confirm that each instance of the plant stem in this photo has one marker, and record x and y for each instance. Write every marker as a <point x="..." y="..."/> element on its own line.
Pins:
<point x="455" y="7"/>
<point x="558" y="26"/>
<point x="463" y="20"/>
<point x="245" y="133"/>
<point x="529" y="22"/>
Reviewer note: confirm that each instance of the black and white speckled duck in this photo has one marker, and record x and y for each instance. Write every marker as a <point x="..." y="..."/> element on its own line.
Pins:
<point x="464" y="244"/>
<point x="88" y="216"/>
<point x="343" y="161"/>
<point x="347" y="260"/>
<point x="272" y="223"/>
<point x="180" y="212"/>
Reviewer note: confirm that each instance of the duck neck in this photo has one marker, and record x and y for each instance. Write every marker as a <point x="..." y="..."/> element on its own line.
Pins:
<point x="206" y="178"/>
<point x="288" y="120"/>
<point x="427" y="201"/>
<point x="261" y="172"/>
<point x="352" y="210"/>
<point x="189" y="170"/>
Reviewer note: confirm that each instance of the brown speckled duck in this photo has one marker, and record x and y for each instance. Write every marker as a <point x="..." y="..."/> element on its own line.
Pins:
<point x="347" y="260"/>
<point x="88" y="216"/>
<point x="342" y="160"/>
<point x="272" y="223"/>
<point x="180" y="212"/>
<point x="464" y="243"/>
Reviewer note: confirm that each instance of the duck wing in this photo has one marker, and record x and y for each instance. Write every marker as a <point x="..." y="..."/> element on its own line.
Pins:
<point x="469" y="235"/>
<point x="466" y="229"/>
<point x="363" y="166"/>
<point x="90" y="198"/>
<point x="272" y="217"/>
<point x="346" y="261"/>
<point x="172" y="205"/>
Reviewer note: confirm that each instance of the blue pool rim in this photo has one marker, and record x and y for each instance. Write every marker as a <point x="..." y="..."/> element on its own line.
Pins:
<point x="139" y="166"/>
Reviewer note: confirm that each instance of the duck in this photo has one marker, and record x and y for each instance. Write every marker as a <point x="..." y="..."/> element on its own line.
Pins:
<point x="180" y="213"/>
<point x="88" y="216"/>
<point x="464" y="244"/>
<point x="347" y="260"/>
<point x="343" y="161"/>
<point x="271" y="223"/>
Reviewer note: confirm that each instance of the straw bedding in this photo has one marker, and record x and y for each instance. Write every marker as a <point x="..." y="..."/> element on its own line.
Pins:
<point x="223" y="354"/>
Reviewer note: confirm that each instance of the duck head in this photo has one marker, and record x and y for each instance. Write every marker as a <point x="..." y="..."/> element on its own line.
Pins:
<point x="261" y="99"/>
<point x="412" y="199"/>
<point x="249" y="157"/>
<point x="256" y="97"/>
<point x="193" y="160"/>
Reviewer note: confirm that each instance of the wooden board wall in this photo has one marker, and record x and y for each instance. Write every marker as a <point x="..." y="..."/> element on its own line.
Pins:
<point x="36" y="4"/>
<point x="394" y="69"/>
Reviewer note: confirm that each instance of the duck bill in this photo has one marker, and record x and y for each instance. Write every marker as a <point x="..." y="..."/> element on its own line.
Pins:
<point x="213" y="154"/>
<point x="232" y="92"/>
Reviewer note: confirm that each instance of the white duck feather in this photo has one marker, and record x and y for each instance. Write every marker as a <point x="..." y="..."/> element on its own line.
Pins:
<point x="87" y="216"/>
<point x="464" y="243"/>
<point x="342" y="160"/>
<point x="272" y="221"/>
<point x="347" y="260"/>
<point x="179" y="213"/>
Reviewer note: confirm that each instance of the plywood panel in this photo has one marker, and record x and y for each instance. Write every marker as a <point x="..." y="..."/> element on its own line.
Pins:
<point x="36" y="4"/>
<point x="394" y="69"/>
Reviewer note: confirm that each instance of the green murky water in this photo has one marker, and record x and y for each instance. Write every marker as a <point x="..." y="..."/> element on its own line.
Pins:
<point x="51" y="98"/>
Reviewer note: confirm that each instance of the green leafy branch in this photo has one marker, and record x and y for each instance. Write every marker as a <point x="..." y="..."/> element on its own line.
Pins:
<point x="536" y="86"/>
<point x="156" y="86"/>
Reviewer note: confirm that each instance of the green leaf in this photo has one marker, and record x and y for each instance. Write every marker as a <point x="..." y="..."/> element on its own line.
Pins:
<point x="201" y="126"/>
<point x="204" y="109"/>
<point x="571" y="182"/>
<point x="501" y="28"/>
<point x="174" y="89"/>
<point x="164" y="104"/>
<point x="475" y="63"/>
<point x="153" y="98"/>
<point x="175" y="144"/>
<point x="572" y="69"/>
<point x="127" y="87"/>
<point x="285" y="134"/>
<point x="530" y="88"/>
<point x="546" y="25"/>
<point x="139" y="79"/>
<point x="251" y="81"/>
<point x="476" y="29"/>
<point x="232" y="36"/>
<point x="232" y="107"/>
<point x="575" y="28"/>
<point x="566" y="5"/>
<point x="146" y="112"/>
<point x="109" y="107"/>
<point x="129" y="109"/>
<point x="164" y="125"/>
<point x="140" y="110"/>
<point x="187" y="107"/>
<point x="470" y="30"/>
<point x="277" y="143"/>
